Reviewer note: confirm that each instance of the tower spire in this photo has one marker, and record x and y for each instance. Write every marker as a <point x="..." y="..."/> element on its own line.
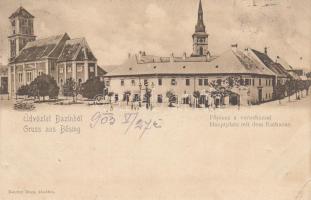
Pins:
<point x="200" y="7"/>
<point x="200" y="37"/>
<point x="200" y="27"/>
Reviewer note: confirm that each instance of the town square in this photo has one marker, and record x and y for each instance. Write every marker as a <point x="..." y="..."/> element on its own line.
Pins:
<point x="155" y="99"/>
<point x="58" y="68"/>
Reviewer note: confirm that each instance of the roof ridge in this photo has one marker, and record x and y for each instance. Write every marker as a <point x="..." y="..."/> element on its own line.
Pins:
<point x="46" y="38"/>
<point x="63" y="35"/>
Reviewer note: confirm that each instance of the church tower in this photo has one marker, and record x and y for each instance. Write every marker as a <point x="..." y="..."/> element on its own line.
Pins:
<point x="21" y="31"/>
<point x="200" y="37"/>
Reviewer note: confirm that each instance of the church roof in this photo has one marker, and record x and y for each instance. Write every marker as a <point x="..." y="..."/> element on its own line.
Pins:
<point x="76" y="50"/>
<point x="41" y="48"/>
<point x="21" y="12"/>
<point x="230" y="62"/>
<point x="59" y="47"/>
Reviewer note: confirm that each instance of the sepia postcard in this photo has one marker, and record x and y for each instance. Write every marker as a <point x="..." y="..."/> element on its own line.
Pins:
<point x="155" y="100"/>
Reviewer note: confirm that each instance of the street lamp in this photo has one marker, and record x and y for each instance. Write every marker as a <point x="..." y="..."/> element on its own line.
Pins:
<point x="140" y="94"/>
<point x="152" y="87"/>
<point x="147" y="94"/>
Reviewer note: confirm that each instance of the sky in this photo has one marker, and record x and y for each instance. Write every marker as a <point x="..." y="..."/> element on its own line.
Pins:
<point x="115" y="28"/>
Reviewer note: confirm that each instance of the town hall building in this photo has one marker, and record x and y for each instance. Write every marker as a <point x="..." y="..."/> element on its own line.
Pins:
<point x="58" y="56"/>
<point x="186" y="75"/>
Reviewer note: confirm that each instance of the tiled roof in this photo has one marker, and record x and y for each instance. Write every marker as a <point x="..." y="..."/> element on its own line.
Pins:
<point x="294" y="75"/>
<point x="60" y="47"/>
<point x="273" y="66"/>
<point x="230" y="62"/>
<point x="76" y="49"/>
<point x="21" y="12"/>
<point x="40" y="49"/>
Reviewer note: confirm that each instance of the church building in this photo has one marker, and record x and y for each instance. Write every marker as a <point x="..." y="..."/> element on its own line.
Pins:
<point x="58" y="56"/>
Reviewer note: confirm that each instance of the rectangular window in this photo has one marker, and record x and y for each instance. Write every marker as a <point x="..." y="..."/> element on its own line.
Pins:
<point x="29" y="77"/>
<point x="200" y="82"/>
<point x="187" y="81"/>
<point x="160" y="81"/>
<point x="145" y="82"/>
<point x="107" y="83"/>
<point x="269" y="82"/>
<point x="173" y="81"/>
<point x="61" y="70"/>
<point x="68" y="69"/>
<point x="219" y="81"/>
<point x="40" y="73"/>
<point x="159" y="99"/>
<point x="133" y="82"/>
<point x="253" y="82"/>
<point x="92" y="69"/>
<point x="206" y="81"/>
<point x="259" y="82"/>
<point x="266" y="82"/>
<point x="122" y="82"/>
<point x="20" y="77"/>
<point x="247" y="81"/>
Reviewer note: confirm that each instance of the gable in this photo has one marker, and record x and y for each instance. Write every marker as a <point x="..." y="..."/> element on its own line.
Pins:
<point x="76" y="50"/>
<point x="21" y="12"/>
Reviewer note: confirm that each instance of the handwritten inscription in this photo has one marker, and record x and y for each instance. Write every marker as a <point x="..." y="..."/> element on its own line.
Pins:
<point x="132" y="121"/>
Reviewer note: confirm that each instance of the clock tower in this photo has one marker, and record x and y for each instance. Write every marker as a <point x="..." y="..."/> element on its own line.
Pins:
<point x="200" y="37"/>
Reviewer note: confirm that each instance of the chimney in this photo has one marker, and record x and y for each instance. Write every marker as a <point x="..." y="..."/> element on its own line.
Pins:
<point x="234" y="47"/>
<point x="266" y="50"/>
<point x="172" y="57"/>
<point x="184" y="56"/>
<point x="277" y="59"/>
